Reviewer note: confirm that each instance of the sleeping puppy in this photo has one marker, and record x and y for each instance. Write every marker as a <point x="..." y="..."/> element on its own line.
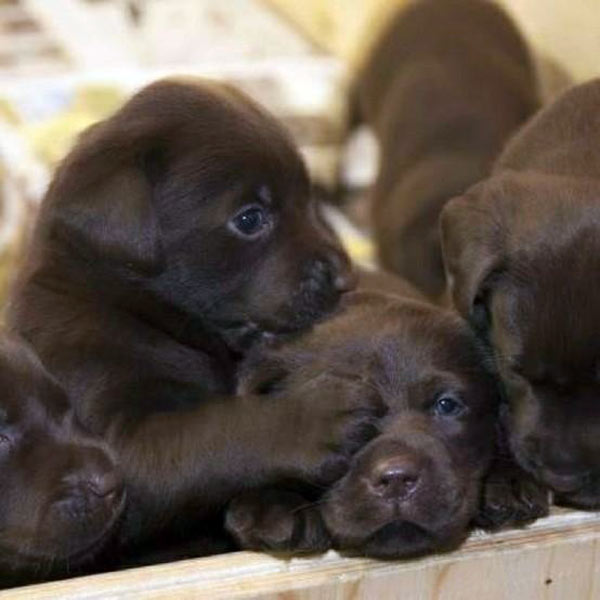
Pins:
<point x="442" y="89"/>
<point x="61" y="495"/>
<point x="177" y="233"/>
<point x="416" y="486"/>
<point x="521" y="250"/>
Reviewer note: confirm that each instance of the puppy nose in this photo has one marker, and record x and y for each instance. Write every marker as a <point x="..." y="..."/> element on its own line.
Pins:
<point x="395" y="478"/>
<point x="91" y="489"/>
<point x="337" y="268"/>
<point x="345" y="278"/>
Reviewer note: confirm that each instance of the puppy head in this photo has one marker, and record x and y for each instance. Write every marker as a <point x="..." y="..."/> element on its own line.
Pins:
<point x="61" y="494"/>
<point x="415" y="487"/>
<point x="521" y="252"/>
<point x="197" y="192"/>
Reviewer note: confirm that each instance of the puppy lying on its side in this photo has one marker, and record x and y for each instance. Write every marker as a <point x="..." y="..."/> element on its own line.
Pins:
<point x="522" y="251"/>
<point x="414" y="488"/>
<point x="442" y="89"/>
<point x="61" y="495"/>
<point x="175" y="234"/>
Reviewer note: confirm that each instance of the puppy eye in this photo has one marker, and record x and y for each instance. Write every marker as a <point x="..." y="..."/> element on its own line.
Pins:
<point x="250" y="222"/>
<point x="448" y="405"/>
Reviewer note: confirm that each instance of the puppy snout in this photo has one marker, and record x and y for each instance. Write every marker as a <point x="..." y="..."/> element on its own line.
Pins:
<point x="93" y="488"/>
<point x="344" y="276"/>
<point x="395" y="478"/>
<point x="333" y="272"/>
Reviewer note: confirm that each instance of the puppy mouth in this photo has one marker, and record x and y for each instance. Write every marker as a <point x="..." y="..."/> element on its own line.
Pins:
<point x="403" y="539"/>
<point x="403" y="530"/>
<point x="243" y="334"/>
<point x="400" y="538"/>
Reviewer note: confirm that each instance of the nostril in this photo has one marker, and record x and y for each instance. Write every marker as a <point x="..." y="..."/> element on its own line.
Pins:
<point x="391" y="478"/>
<point x="320" y="272"/>
<point x="104" y="485"/>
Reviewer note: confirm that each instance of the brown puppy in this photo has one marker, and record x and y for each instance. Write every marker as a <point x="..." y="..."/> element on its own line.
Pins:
<point x="415" y="487"/>
<point x="61" y="496"/>
<point x="443" y="88"/>
<point x="175" y="234"/>
<point x="521" y="250"/>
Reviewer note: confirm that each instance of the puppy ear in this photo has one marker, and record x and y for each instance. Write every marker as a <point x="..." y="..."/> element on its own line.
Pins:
<point x="101" y="196"/>
<point x="472" y="247"/>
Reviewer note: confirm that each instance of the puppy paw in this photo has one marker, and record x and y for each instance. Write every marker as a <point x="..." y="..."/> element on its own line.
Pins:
<point x="511" y="498"/>
<point x="276" y="520"/>
<point x="336" y="417"/>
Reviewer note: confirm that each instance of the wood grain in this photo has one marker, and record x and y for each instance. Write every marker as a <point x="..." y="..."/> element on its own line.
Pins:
<point x="557" y="558"/>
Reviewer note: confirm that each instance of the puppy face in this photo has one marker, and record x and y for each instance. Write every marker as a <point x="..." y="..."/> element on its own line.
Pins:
<point x="521" y="251"/>
<point x="415" y="487"/>
<point x="200" y="198"/>
<point x="61" y="496"/>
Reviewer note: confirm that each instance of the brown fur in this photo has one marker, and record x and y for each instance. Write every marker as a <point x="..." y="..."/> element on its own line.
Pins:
<point x="443" y="88"/>
<point x="141" y="293"/>
<point x="522" y="250"/>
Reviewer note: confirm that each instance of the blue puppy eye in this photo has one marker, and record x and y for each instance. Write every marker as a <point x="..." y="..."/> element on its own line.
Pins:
<point x="448" y="405"/>
<point x="250" y="221"/>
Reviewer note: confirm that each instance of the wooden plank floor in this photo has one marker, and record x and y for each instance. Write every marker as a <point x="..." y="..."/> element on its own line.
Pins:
<point x="556" y="558"/>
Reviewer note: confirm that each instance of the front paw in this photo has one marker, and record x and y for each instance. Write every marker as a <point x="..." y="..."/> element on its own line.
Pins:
<point x="276" y="520"/>
<point x="338" y="416"/>
<point x="511" y="497"/>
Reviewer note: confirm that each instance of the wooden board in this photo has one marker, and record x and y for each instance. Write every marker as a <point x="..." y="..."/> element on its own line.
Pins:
<point x="557" y="558"/>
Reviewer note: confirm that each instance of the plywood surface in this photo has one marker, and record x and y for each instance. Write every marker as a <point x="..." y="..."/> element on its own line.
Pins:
<point x="556" y="558"/>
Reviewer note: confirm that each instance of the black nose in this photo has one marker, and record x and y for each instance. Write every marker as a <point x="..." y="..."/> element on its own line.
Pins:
<point x="333" y="271"/>
<point x="395" y="478"/>
<point x="345" y="278"/>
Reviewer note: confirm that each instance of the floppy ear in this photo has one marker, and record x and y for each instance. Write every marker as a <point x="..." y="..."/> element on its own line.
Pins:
<point x="100" y="201"/>
<point x="472" y="236"/>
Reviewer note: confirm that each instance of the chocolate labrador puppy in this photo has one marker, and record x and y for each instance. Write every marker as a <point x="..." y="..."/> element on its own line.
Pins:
<point x="61" y="495"/>
<point x="521" y="249"/>
<point x="416" y="486"/>
<point x="442" y="89"/>
<point x="175" y="234"/>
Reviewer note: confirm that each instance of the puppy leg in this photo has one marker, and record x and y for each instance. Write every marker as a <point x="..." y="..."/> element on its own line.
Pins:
<point x="276" y="520"/>
<point x="207" y="455"/>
